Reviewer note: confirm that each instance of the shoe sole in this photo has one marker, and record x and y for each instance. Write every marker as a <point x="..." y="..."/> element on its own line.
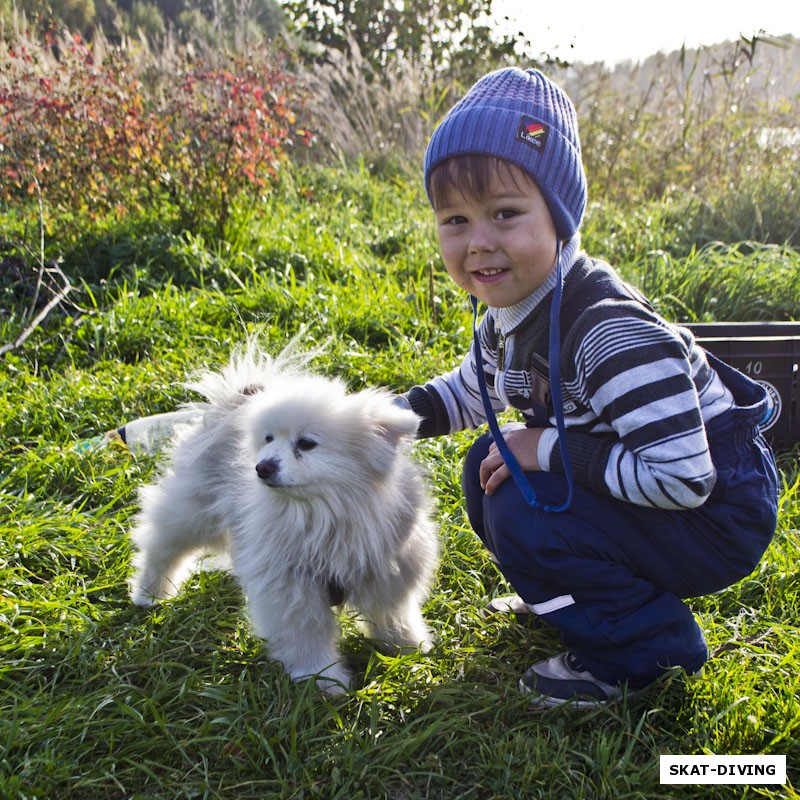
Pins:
<point x="543" y="702"/>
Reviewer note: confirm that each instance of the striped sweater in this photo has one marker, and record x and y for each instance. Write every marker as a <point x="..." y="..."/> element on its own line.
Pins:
<point x="636" y="389"/>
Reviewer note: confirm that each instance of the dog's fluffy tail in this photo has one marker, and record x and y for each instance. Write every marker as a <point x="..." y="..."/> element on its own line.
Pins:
<point x="251" y="369"/>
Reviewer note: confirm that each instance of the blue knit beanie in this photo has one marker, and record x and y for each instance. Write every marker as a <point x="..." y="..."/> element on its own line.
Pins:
<point x="522" y="117"/>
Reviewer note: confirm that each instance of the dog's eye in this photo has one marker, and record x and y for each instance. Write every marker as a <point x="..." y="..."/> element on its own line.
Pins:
<point x="304" y="444"/>
<point x="269" y="438"/>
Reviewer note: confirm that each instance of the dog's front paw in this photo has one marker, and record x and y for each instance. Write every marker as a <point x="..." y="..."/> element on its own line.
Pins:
<point x="400" y="636"/>
<point x="333" y="680"/>
<point x="333" y="688"/>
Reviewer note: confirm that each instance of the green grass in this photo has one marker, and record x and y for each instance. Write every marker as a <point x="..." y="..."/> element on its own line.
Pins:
<point x="99" y="699"/>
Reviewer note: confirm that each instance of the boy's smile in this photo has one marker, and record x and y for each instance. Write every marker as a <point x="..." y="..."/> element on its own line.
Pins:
<point x="500" y="246"/>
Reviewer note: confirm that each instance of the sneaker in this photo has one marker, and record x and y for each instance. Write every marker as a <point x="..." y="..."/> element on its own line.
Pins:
<point x="510" y="604"/>
<point x="561" y="679"/>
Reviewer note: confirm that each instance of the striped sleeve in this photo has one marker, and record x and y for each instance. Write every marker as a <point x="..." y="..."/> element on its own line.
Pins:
<point x="636" y="377"/>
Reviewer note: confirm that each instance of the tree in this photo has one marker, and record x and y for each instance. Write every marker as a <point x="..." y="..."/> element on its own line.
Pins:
<point x="446" y="37"/>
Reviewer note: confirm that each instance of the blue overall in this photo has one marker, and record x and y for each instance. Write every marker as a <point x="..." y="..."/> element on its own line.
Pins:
<point x="610" y="575"/>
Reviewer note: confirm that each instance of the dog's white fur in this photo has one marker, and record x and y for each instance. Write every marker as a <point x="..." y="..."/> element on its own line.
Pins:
<point x="310" y="491"/>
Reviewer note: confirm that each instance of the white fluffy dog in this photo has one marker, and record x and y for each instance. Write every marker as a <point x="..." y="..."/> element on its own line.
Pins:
<point x="310" y="491"/>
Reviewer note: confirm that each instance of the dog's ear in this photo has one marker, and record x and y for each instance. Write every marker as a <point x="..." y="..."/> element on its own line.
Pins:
<point x="397" y="422"/>
<point x="391" y="422"/>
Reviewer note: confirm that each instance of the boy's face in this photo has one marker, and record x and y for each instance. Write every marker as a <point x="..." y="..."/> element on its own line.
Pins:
<point x="500" y="246"/>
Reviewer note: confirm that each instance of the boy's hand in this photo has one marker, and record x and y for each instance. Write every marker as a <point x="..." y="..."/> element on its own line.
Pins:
<point x="524" y="444"/>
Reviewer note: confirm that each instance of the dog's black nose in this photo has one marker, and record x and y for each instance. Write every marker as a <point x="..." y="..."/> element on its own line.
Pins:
<point x="268" y="468"/>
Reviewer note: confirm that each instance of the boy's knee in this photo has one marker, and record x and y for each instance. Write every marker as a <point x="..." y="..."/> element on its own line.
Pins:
<point x="475" y="455"/>
<point x="524" y="535"/>
<point x="470" y="477"/>
<point x="471" y="483"/>
<point x="516" y="533"/>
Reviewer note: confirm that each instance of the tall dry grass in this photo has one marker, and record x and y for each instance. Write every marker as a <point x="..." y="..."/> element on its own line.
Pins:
<point x="714" y="130"/>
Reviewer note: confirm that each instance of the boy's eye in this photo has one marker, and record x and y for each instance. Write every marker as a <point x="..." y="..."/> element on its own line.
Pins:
<point x="455" y="220"/>
<point x="506" y="213"/>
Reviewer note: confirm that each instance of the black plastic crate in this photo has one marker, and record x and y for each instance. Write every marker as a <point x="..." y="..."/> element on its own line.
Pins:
<point x="769" y="352"/>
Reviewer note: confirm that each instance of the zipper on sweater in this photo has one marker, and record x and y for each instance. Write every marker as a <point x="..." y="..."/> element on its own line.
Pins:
<point x="501" y="348"/>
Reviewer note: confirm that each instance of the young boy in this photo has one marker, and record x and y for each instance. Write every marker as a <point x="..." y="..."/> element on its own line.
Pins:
<point x="639" y="476"/>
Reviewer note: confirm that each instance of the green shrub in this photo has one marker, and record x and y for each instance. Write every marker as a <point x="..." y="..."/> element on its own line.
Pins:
<point x="85" y="132"/>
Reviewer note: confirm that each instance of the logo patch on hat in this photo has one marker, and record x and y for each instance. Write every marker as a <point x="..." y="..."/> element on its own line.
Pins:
<point x="533" y="132"/>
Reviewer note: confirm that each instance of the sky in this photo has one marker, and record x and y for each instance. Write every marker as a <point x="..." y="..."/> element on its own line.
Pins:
<point x="616" y="30"/>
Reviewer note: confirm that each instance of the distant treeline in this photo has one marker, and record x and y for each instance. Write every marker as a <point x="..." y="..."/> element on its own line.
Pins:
<point x="453" y="38"/>
<point x="213" y="21"/>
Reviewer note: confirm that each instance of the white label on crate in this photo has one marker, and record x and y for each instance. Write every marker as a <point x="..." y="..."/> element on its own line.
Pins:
<point x="773" y="406"/>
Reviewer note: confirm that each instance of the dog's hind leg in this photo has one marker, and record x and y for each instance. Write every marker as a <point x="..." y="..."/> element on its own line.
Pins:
<point x="399" y="628"/>
<point x="172" y="531"/>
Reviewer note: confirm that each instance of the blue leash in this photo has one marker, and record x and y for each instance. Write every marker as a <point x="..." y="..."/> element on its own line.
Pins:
<point x="555" y="389"/>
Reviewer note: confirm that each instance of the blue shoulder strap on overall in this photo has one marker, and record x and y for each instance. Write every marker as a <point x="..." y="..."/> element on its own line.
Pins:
<point x="555" y="390"/>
